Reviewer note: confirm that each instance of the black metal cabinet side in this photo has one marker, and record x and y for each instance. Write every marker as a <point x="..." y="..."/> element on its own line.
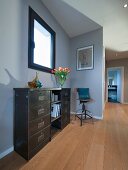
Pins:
<point x="65" y="107"/>
<point x="21" y="122"/>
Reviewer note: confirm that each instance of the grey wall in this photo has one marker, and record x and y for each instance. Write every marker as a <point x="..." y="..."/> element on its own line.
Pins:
<point x="89" y="78"/>
<point x="14" y="70"/>
<point x="121" y="63"/>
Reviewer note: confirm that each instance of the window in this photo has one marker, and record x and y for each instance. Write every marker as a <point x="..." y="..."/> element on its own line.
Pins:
<point x="41" y="52"/>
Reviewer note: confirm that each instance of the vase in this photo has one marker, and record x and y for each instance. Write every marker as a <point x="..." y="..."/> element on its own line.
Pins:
<point x="35" y="83"/>
<point x="60" y="80"/>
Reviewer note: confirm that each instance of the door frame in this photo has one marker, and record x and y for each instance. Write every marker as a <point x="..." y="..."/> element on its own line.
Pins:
<point x="122" y="82"/>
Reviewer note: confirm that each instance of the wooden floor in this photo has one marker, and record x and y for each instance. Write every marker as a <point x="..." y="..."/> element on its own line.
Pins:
<point x="102" y="145"/>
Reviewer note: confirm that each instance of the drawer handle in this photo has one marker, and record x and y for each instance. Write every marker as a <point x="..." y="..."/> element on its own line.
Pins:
<point x="41" y="124"/>
<point x="40" y="111"/>
<point x="41" y="137"/>
<point x="41" y="98"/>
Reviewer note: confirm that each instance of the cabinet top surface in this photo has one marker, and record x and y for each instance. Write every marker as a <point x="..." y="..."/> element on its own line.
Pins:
<point x="30" y="89"/>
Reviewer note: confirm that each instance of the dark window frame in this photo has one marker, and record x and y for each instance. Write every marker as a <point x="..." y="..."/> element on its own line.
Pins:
<point x="34" y="16"/>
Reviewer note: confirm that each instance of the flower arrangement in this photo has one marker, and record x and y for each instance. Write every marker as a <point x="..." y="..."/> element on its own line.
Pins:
<point x="61" y="74"/>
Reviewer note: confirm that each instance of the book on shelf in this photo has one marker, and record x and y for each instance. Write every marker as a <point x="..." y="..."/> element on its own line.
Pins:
<point x="54" y="97"/>
<point x="55" y="111"/>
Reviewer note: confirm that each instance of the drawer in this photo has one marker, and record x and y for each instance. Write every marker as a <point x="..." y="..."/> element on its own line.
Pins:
<point x="39" y="147"/>
<point x="38" y="124"/>
<point x="38" y="138"/>
<point x="37" y="111"/>
<point x="37" y="97"/>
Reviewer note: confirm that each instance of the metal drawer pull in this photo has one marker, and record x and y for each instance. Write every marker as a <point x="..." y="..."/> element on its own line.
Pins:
<point x="41" y="137"/>
<point x="41" y="98"/>
<point x="40" y="111"/>
<point x="41" y="124"/>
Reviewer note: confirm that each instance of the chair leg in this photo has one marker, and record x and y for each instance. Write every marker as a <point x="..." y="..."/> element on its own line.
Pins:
<point x="83" y="107"/>
<point x="92" y="120"/>
<point x="85" y="114"/>
<point x="81" y="121"/>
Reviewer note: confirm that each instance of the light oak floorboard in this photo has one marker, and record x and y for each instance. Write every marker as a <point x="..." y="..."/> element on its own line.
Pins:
<point x="97" y="145"/>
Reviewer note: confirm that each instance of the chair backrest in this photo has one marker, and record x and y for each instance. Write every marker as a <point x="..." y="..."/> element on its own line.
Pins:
<point x="83" y="93"/>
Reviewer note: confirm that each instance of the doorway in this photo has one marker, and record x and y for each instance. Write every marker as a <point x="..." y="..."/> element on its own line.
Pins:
<point x="115" y="84"/>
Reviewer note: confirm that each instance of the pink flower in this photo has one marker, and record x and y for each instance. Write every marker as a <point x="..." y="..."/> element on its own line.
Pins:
<point x="61" y="71"/>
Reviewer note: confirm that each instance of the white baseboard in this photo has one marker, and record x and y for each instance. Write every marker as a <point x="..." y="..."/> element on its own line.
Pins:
<point x="96" y="117"/>
<point x="124" y="103"/>
<point x="6" y="152"/>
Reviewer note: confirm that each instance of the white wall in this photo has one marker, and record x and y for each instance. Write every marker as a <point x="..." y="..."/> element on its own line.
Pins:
<point x="89" y="78"/>
<point x="119" y="87"/>
<point x="14" y="70"/>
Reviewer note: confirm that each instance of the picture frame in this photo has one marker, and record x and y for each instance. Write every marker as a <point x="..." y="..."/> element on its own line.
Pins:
<point x="85" y="58"/>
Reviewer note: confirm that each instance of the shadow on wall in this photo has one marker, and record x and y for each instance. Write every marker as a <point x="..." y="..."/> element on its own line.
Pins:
<point x="6" y="112"/>
<point x="53" y="79"/>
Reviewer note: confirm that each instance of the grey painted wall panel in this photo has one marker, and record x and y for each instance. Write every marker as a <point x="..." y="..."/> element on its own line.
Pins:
<point x="89" y="78"/>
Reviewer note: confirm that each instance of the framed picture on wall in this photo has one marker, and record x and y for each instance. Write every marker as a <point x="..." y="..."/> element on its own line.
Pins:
<point x="85" y="58"/>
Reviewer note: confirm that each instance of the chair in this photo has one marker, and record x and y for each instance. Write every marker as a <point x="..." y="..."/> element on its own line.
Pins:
<point x="84" y="97"/>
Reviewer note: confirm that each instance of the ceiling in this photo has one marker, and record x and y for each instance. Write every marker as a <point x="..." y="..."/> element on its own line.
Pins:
<point x="78" y="17"/>
<point x="72" y="21"/>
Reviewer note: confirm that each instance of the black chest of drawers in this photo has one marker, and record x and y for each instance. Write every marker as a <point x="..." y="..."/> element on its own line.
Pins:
<point x="32" y="118"/>
<point x="31" y="121"/>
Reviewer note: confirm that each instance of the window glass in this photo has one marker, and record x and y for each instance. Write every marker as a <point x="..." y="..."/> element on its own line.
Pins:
<point x="41" y="44"/>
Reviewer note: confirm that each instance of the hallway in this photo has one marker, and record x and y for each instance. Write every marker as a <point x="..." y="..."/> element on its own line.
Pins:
<point x="102" y="145"/>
